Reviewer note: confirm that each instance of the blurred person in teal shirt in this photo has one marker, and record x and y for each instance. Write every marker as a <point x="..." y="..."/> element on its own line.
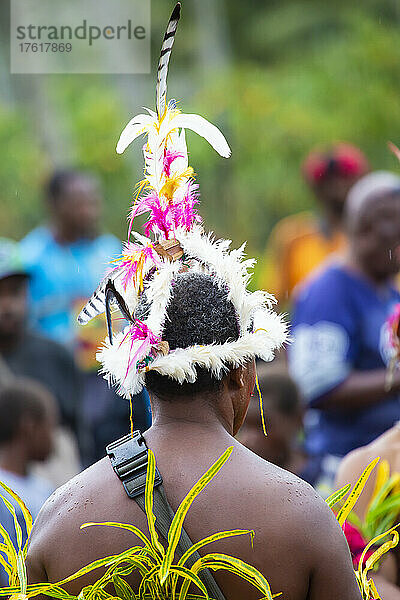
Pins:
<point x="65" y="259"/>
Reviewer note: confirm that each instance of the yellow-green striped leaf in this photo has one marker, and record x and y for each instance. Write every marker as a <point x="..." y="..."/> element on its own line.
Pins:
<point x="21" y="571"/>
<point x="11" y="552"/>
<point x="190" y="577"/>
<point x="148" y="502"/>
<point x="127" y="526"/>
<point x="27" y="515"/>
<point x="17" y="526"/>
<point x="216" y="561"/>
<point x="5" y="564"/>
<point x="101" y="562"/>
<point x="175" y="529"/>
<point x="146" y="580"/>
<point x="213" y="538"/>
<point x="123" y="589"/>
<point x="355" y="493"/>
<point x="337" y="496"/>
<point x="382" y="550"/>
<point x="372" y="543"/>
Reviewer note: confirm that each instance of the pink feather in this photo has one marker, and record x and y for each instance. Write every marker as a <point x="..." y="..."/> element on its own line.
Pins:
<point x="169" y="157"/>
<point x="140" y="331"/>
<point x="133" y="260"/>
<point x="166" y="219"/>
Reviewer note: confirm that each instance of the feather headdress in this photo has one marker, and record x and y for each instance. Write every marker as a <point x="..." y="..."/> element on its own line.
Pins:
<point x="174" y="239"/>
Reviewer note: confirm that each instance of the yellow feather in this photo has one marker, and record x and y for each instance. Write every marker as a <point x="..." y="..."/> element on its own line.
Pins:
<point x="173" y="183"/>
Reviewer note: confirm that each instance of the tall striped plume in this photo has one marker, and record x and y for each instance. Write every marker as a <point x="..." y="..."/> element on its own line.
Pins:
<point x="168" y="42"/>
<point x="168" y="193"/>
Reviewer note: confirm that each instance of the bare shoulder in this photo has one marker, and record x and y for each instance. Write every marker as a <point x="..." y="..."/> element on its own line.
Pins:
<point x="290" y="519"/>
<point x="65" y="510"/>
<point x="310" y="535"/>
<point x="386" y="446"/>
<point x="291" y="500"/>
<point x="68" y="498"/>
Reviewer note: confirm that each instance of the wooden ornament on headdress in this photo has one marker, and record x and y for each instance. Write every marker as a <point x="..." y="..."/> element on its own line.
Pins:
<point x="170" y="249"/>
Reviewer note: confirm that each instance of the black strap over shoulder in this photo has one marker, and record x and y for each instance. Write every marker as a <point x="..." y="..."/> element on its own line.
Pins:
<point x="129" y="456"/>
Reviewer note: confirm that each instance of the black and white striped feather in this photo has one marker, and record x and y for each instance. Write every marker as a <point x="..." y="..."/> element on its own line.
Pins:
<point x="96" y="304"/>
<point x="112" y="295"/>
<point x="168" y="42"/>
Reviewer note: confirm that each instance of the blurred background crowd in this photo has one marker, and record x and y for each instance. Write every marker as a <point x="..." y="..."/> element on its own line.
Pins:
<point x="307" y="94"/>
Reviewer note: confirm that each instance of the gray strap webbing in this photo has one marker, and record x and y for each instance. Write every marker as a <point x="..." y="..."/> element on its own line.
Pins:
<point x="129" y="460"/>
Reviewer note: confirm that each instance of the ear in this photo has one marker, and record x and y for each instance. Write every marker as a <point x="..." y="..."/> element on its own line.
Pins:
<point x="235" y="379"/>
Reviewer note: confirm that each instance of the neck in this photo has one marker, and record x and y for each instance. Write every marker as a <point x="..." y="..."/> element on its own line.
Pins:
<point x="13" y="458"/>
<point x="351" y="262"/>
<point x="63" y="235"/>
<point x="197" y="413"/>
<point x="334" y="221"/>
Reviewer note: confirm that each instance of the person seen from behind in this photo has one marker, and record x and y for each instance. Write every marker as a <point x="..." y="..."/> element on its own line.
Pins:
<point x="193" y="424"/>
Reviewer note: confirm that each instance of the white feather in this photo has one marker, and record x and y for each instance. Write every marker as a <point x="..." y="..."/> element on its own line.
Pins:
<point x="180" y="164"/>
<point x="136" y="126"/>
<point x="270" y="332"/>
<point x="159" y="293"/>
<point x="203" y="128"/>
<point x="142" y="239"/>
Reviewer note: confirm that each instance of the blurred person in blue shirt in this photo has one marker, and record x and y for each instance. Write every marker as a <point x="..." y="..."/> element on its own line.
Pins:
<point x="28" y="419"/>
<point x="341" y="345"/>
<point x="65" y="259"/>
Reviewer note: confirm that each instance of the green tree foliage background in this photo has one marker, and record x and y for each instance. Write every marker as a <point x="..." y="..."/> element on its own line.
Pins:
<point x="276" y="77"/>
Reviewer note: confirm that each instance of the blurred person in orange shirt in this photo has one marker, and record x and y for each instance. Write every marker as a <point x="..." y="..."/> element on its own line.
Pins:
<point x="300" y="243"/>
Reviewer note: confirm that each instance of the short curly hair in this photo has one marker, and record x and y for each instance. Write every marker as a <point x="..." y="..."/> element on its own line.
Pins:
<point x="199" y="312"/>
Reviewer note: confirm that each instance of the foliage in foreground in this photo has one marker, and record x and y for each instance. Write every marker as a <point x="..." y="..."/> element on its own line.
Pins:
<point x="383" y="508"/>
<point x="378" y="538"/>
<point x="161" y="577"/>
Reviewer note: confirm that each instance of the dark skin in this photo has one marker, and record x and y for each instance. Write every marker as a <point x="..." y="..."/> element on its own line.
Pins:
<point x="33" y="439"/>
<point x="374" y="235"/>
<point x="386" y="446"/>
<point x="13" y="299"/>
<point x="76" y="211"/>
<point x="277" y="446"/>
<point x="331" y="194"/>
<point x="187" y="436"/>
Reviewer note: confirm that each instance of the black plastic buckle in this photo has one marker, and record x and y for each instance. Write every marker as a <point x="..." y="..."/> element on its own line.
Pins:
<point x="129" y="457"/>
